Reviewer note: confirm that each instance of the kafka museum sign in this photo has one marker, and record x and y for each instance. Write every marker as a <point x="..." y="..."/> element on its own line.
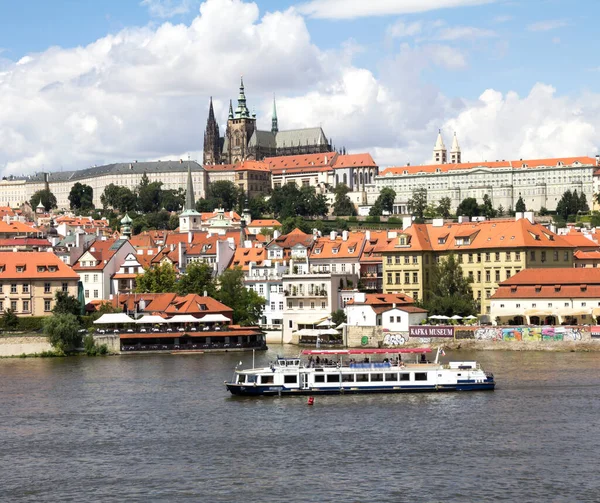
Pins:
<point x="425" y="331"/>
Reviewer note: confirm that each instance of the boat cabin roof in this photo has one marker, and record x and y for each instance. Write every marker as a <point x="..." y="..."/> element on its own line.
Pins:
<point x="378" y="351"/>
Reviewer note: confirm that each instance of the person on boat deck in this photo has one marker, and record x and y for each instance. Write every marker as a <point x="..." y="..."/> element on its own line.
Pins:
<point x="423" y="360"/>
<point x="318" y="360"/>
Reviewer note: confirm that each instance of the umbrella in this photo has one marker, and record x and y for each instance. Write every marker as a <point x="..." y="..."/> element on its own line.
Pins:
<point x="434" y="317"/>
<point x="456" y="317"/>
<point x="340" y="326"/>
<point x="214" y="318"/>
<point x="443" y="317"/>
<point x="150" y="319"/>
<point x="329" y="331"/>
<point x="325" y="323"/>
<point x="181" y="318"/>
<point x="470" y="317"/>
<point x="110" y="318"/>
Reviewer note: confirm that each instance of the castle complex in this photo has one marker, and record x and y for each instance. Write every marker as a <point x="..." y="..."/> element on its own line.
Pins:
<point x="244" y="141"/>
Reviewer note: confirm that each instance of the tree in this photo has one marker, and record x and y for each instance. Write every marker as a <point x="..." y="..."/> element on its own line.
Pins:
<point x="486" y="208"/>
<point x="198" y="279"/>
<point x="520" y="206"/>
<point x="385" y="202"/>
<point x="258" y="207"/>
<point x="81" y="197"/>
<point x="63" y="332"/>
<point x="544" y="211"/>
<point x="444" y="205"/>
<point x="343" y="207"/>
<point x="451" y="293"/>
<point x="500" y="211"/>
<point x="10" y="320"/>
<point x="224" y="194"/>
<point x="158" y="279"/>
<point x="417" y="204"/>
<point x="247" y="305"/>
<point x="431" y="211"/>
<point x="47" y="198"/>
<point x="173" y="200"/>
<point x="118" y="198"/>
<point x="149" y="197"/>
<point x="338" y="317"/>
<point x="468" y="207"/>
<point x="66" y="304"/>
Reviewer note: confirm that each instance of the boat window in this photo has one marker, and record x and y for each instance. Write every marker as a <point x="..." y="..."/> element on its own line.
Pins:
<point x="250" y="378"/>
<point x="348" y="377"/>
<point x="376" y="377"/>
<point x="291" y="379"/>
<point x="319" y="377"/>
<point x="333" y="378"/>
<point x="391" y="377"/>
<point x="420" y="376"/>
<point x="362" y="377"/>
<point x="405" y="377"/>
<point x="266" y="380"/>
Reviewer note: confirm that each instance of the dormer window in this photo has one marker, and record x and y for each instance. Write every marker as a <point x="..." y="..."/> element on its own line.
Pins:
<point x="52" y="268"/>
<point x="317" y="251"/>
<point x="41" y="268"/>
<point x="2" y="267"/>
<point x="334" y="251"/>
<point x="351" y="250"/>
<point x="21" y="268"/>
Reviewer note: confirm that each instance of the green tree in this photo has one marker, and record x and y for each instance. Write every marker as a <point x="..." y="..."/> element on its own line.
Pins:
<point x="81" y="197"/>
<point x="149" y="197"/>
<point x="10" y="320"/>
<point x="544" y="211"/>
<point x="198" y="279"/>
<point x="258" y="207"/>
<point x="468" y="207"/>
<point x="66" y="304"/>
<point x="173" y="200"/>
<point x="418" y="203"/>
<point x="451" y="292"/>
<point x="63" y="332"/>
<point x="224" y="194"/>
<point x="47" y="198"/>
<point x="118" y="198"/>
<point x="520" y="206"/>
<point x="385" y="202"/>
<point x="486" y="208"/>
<point x="444" y="205"/>
<point x="342" y="206"/>
<point x="247" y="305"/>
<point x="338" y="317"/>
<point x="158" y="279"/>
<point x="500" y="211"/>
<point x="431" y="211"/>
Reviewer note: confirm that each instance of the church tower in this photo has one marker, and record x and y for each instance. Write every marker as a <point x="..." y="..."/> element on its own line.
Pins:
<point x="455" y="151"/>
<point x="212" y="141"/>
<point x="240" y="127"/>
<point x="189" y="218"/>
<point x="274" y="122"/>
<point x="439" y="151"/>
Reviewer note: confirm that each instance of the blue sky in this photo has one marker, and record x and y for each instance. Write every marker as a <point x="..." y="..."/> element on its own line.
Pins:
<point x="449" y="65"/>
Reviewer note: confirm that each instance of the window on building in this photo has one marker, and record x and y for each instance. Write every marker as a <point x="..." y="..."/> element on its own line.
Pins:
<point x="407" y="259"/>
<point x="47" y="305"/>
<point x="46" y="287"/>
<point x="478" y="294"/>
<point x="507" y="273"/>
<point x="497" y="275"/>
<point x="555" y="255"/>
<point x="95" y="278"/>
<point x="272" y="306"/>
<point x="261" y="289"/>
<point x="290" y="304"/>
<point x="389" y="260"/>
<point x="95" y="294"/>
<point x="407" y="278"/>
<point x="389" y="278"/>
<point x="397" y="259"/>
<point x="290" y="324"/>
<point x="488" y="256"/>
<point x="1" y="305"/>
<point x="415" y="278"/>
<point x="65" y="287"/>
<point x="13" y="288"/>
<point x="87" y="294"/>
<point x="26" y="288"/>
<point x="323" y="305"/>
<point x="415" y="259"/>
<point x="86" y="278"/>
<point x="397" y="278"/>
<point x="487" y="294"/>
<point x="312" y="305"/>
<point x="25" y="306"/>
<point x="508" y="256"/>
<point x="300" y="305"/>
<point x="470" y="258"/>
<point x="479" y="257"/>
<point x="517" y="256"/>
<point x="567" y="256"/>
<point x="13" y="305"/>
<point x="478" y="276"/>
<point x="543" y="256"/>
<point x="497" y="256"/>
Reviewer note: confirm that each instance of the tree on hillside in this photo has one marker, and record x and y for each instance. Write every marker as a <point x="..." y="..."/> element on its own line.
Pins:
<point x="342" y="206"/>
<point x="451" y="292"/>
<point x="520" y="206"/>
<point x="500" y="211"/>
<point x="487" y="209"/>
<point x="571" y="204"/>
<point x="173" y="200"/>
<point x="338" y="317"/>
<point x="385" y="202"/>
<point x="468" y="207"/>
<point x="198" y="279"/>
<point x="47" y="198"/>
<point x="149" y="197"/>
<point x="158" y="279"/>
<point x="223" y="194"/>
<point x="247" y="305"/>
<point x="417" y="204"/>
<point x="81" y="197"/>
<point x="10" y="320"/>
<point x="118" y="198"/>
<point x="444" y="205"/>
<point x="63" y="332"/>
<point x="259" y="207"/>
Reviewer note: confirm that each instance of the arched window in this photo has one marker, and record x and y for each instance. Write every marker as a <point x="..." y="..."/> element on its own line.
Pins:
<point x="360" y="177"/>
<point x="345" y="179"/>
<point x="337" y="179"/>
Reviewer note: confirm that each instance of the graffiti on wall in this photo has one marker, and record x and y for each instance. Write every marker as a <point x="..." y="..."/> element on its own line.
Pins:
<point x="393" y="340"/>
<point x="528" y="334"/>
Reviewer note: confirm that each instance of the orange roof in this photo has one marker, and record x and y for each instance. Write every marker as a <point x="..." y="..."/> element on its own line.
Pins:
<point x="507" y="233"/>
<point x="338" y="248"/>
<point x="530" y="163"/>
<point x="35" y="265"/>
<point x="171" y="304"/>
<point x="377" y="242"/>
<point x="587" y="255"/>
<point x="219" y="167"/>
<point x="301" y="161"/>
<point x="578" y="282"/>
<point x="102" y="251"/>
<point x="353" y="160"/>
<point x="264" y="223"/>
<point x="243" y="257"/>
<point x="383" y="299"/>
<point x="253" y="166"/>
<point x="579" y="240"/>
<point x="143" y="240"/>
<point x="16" y="228"/>
<point x="291" y="239"/>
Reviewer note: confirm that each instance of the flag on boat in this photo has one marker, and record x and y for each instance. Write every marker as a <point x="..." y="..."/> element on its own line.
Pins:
<point x="442" y="352"/>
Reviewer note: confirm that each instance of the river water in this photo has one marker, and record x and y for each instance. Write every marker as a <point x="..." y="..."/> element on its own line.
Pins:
<point x="163" y="428"/>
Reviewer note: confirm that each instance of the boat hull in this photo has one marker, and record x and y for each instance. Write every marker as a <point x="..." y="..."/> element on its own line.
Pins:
<point x="267" y="390"/>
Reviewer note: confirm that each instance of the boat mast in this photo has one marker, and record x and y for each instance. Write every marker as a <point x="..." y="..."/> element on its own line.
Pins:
<point x="437" y="356"/>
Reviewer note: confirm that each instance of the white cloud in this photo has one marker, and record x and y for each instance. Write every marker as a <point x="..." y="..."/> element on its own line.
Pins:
<point x="464" y="32"/>
<point x="167" y="8"/>
<point x="400" y="29"/>
<point x="503" y="19"/>
<point x="548" y="25"/>
<point x="349" y="9"/>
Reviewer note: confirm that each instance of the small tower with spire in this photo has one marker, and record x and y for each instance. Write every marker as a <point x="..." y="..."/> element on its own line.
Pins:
<point x="455" y="151"/>
<point x="126" y="227"/>
<point x="240" y="128"/>
<point x="189" y="219"/>
<point x="439" y="151"/>
<point x="274" y="122"/>
<point x="212" y="140"/>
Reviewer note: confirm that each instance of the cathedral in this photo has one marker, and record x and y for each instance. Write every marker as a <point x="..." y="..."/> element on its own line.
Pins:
<point x="243" y="141"/>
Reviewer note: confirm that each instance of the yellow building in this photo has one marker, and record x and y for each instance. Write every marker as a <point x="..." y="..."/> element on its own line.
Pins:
<point x="489" y="252"/>
<point x="29" y="282"/>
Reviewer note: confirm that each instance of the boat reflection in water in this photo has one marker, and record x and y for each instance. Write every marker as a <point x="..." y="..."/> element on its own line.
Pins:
<point x="360" y="371"/>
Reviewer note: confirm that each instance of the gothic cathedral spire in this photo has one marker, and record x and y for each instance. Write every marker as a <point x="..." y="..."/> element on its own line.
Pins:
<point x="274" y="123"/>
<point x="439" y="151"/>
<point x="455" y="157"/>
<point x="241" y="111"/>
<point x="212" y="142"/>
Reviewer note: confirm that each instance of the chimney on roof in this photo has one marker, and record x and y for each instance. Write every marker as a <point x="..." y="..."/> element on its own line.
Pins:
<point x="190" y="237"/>
<point x="529" y="216"/>
<point x="518" y="215"/>
<point x="344" y="235"/>
<point x="406" y="222"/>
<point x="368" y="235"/>
<point x="276" y="234"/>
<point x="597" y="159"/>
<point x="205" y="293"/>
<point x="463" y="219"/>
<point x="332" y="235"/>
<point x="325" y="159"/>
<point x="181" y="255"/>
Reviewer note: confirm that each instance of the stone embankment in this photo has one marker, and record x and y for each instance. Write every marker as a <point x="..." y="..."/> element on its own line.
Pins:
<point x="16" y="345"/>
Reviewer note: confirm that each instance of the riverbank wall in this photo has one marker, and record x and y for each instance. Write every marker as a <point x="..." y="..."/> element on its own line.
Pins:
<point x="16" y="345"/>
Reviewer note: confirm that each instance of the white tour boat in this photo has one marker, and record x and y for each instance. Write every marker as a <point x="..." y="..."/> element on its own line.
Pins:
<point x="360" y="371"/>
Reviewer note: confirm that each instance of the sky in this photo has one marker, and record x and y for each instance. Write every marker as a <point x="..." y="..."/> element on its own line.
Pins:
<point x="86" y="83"/>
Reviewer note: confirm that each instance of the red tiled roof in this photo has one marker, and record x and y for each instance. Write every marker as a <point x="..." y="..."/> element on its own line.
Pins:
<point x="587" y="255"/>
<point x="383" y="299"/>
<point x="338" y="248"/>
<point x="291" y="239"/>
<point x="101" y="251"/>
<point x="354" y="160"/>
<point x="36" y="265"/>
<point x="243" y="257"/>
<point x="301" y="161"/>
<point x="264" y="223"/>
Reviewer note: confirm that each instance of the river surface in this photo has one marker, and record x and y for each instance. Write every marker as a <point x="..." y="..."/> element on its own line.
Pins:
<point x="163" y="428"/>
